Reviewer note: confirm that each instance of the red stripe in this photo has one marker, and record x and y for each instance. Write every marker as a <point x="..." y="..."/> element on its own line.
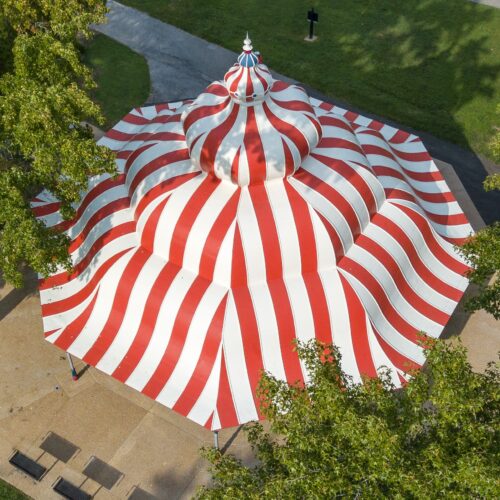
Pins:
<point x="161" y="162"/>
<point x="334" y="121"/>
<point x="80" y="296"/>
<point x="333" y="142"/>
<point x="309" y="265"/>
<point x="148" y="322"/>
<point x="73" y="330"/>
<point x="148" y="235"/>
<point x="177" y="338"/>
<point x="47" y="209"/>
<point x="202" y="112"/>
<point x="268" y="231"/>
<point x="287" y="130"/>
<point x="399" y="137"/>
<point x="254" y="149"/>
<point x="294" y="105"/>
<point x="286" y="330"/>
<point x="166" y="186"/>
<point x="101" y="214"/>
<point x="359" y="332"/>
<point x="225" y="404"/>
<point x="445" y="219"/>
<point x="216" y="236"/>
<point x="143" y="136"/>
<point x="337" y="244"/>
<point x="214" y="140"/>
<point x="205" y="363"/>
<point x="119" y="307"/>
<point x="188" y="216"/>
<point x="246" y="316"/>
<point x="274" y="272"/>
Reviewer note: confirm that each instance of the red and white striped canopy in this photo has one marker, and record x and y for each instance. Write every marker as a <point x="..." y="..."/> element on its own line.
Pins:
<point x="241" y="221"/>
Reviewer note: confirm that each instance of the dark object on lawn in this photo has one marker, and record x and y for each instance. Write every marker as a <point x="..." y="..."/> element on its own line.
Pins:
<point x="102" y="473"/>
<point x="312" y="17"/>
<point x="27" y="465"/>
<point x="70" y="491"/>
<point x="58" y="447"/>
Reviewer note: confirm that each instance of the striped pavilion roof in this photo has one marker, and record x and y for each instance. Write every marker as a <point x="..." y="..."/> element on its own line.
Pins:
<point x="238" y="223"/>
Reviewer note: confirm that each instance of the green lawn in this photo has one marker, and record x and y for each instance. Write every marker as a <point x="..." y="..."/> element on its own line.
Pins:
<point x="430" y="64"/>
<point x="122" y="77"/>
<point x="8" y="492"/>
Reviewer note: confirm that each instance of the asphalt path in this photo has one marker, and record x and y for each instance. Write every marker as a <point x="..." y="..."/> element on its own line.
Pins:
<point x="181" y="65"/>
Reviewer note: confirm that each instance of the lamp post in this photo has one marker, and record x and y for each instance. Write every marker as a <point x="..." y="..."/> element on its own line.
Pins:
<point x="312" y="17"/>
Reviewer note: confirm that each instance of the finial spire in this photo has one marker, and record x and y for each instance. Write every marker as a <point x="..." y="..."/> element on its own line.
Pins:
<point x="247" y="44"/>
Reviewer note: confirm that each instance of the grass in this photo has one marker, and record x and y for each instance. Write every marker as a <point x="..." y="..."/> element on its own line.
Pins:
<point x="8" y="492"/>
<point x="429" y="64"/>
<point x="121" y="74"/>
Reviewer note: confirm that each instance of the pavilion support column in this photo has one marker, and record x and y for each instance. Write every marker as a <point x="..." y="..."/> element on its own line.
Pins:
<point x="216" y="440"/>
<point x="74" y="375"/>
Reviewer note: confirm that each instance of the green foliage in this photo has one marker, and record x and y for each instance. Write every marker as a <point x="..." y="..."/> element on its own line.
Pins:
<point x="43" y="141"/>
<point x="482" y="252"/>
<point x="8" y="492"/>
<point x="438" y="437"/>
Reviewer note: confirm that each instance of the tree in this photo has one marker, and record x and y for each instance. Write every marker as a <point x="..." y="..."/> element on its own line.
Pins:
<point x="437" y="437"/>
<point x="44" y="142"/>
<point x="482" y="252"/>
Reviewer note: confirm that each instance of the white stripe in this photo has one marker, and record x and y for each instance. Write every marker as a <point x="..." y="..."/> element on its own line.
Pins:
<point x="207" y="401"/>
<point x="286" y="227"/>
<point x="251" y="239"/>
<point x="339" y="320"/>
<point x="268" y="330"/>
<point x="236" y="366"/>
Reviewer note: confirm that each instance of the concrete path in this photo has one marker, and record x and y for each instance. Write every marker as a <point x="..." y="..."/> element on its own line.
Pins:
<point x="182" y="65"/>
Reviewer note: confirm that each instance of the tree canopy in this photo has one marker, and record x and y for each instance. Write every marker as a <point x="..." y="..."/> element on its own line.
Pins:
<point x="437" y="437"/>
<point x="44" y="141"/>
<point x="482" y="252"/>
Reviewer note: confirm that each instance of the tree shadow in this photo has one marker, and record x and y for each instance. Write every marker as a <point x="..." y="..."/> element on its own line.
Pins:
<point x="15" y="296"/>
<point x="444" y="69"/>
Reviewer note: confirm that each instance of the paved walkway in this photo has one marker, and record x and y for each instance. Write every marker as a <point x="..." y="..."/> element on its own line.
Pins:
<point x="182" y="65"/>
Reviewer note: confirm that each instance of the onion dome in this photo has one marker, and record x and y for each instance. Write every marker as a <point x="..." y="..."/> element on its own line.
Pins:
<point x="250" y="128"/>
<point x="235" y="227"/>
